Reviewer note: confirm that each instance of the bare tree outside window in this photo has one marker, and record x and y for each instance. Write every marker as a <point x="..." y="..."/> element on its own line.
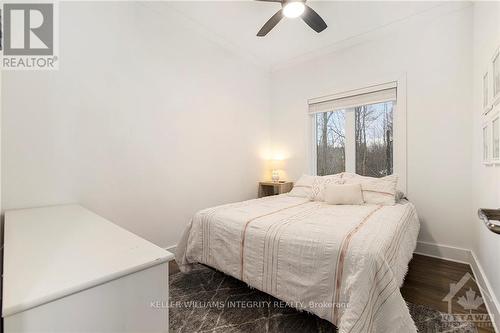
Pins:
<point x="330" y="142"/>
<point x="373" y="135"/>
<point x="374" y="139"/>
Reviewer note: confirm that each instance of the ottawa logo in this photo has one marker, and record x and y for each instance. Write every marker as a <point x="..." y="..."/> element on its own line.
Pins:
<point x="468" y="303"/>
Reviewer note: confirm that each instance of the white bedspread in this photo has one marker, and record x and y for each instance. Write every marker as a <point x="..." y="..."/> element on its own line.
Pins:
<point x="342" y="263"/>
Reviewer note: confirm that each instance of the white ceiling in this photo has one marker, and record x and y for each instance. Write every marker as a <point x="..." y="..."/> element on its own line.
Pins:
<point x="237" y="22"/>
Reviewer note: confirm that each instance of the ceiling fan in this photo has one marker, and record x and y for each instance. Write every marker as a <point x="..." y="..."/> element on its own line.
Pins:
<point x="293" y="9"/>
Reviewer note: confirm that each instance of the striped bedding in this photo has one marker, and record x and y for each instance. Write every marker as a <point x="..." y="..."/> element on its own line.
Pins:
<point x="342" y="263"/>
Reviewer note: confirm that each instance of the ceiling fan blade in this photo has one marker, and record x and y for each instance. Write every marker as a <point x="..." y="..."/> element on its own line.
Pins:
<point x="271" y="23"/>
<point x="313" y="19"/>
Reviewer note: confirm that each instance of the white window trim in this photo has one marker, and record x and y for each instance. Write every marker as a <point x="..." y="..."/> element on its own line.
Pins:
<point x="399" y="135"/>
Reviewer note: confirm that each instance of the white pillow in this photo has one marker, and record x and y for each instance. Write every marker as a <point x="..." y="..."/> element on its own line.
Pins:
<point x="379" y="191"/>
<point x="344" y="194"/>
<point x="321" y="182"/>
<point x="303" y="187"/>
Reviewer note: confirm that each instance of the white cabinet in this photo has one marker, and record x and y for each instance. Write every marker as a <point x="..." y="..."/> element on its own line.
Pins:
<point x="67" y="269"/>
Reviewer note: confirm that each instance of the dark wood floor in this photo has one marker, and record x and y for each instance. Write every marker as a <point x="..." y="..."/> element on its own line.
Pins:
<point x="428" y="282"/>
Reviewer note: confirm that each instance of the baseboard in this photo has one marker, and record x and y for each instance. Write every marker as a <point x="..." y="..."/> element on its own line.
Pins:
<point x="465" y="256"/>
<point x="171" y="249"/>
<point x="490" y="299"/>
<point x="444" y="252"/>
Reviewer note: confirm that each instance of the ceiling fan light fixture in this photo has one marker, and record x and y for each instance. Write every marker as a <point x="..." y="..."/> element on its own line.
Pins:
<point x="293" y="9"/>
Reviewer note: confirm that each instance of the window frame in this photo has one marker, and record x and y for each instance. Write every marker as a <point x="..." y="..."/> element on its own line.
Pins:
<point x="496" y="117"/>
<point x="486" y="140"/>
<point x="399" y="131"/>
<point x="495" y="69"/>
<point x="486" y="92"/>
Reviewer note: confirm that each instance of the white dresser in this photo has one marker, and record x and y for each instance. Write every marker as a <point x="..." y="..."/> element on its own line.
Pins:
<point x="67" y="269"/>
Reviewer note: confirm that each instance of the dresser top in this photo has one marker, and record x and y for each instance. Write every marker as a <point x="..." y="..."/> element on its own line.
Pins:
<point x="52" y="252"/>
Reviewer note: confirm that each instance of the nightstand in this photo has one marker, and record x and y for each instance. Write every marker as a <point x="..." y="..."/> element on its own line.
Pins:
<point x="274" y="188"/>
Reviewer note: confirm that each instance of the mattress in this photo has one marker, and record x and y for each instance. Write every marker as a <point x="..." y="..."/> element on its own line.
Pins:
<point x="343" y="263"/>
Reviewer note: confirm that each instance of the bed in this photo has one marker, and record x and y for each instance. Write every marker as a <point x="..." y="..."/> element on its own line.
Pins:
<point x="344" y="263"/>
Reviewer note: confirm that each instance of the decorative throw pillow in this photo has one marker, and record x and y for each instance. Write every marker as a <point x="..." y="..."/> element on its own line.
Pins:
<point x="379" y="191"/>
<point x="320" y="183"/>
<point x="303" y="187"/>
<point x="344" y="194"/>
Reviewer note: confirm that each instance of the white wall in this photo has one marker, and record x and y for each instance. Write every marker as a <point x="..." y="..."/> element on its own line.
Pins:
<point x="435" y="53"/>
<point x="146" y="122"/>
<point x="486" y="179"/>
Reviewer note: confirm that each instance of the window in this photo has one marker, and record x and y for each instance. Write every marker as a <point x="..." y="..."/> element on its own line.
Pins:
<point x="485" y="91"/>
<point x="485" y="144"/>
<point x="373" y="132"/>
<point x="496" y="138"/>
<point x="355" y="132"/>
<point x="330" y="142"/>
<point x="496" y="74"/>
